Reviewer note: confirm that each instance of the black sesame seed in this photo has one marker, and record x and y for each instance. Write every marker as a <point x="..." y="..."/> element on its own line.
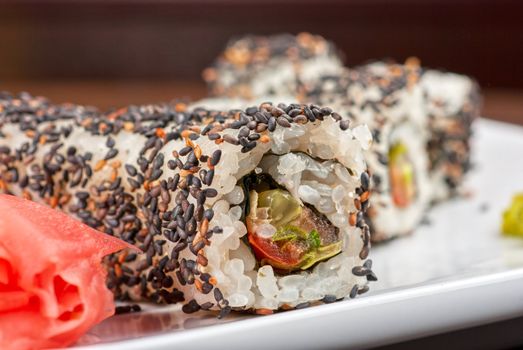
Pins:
<point x="218" y="296"/>
<point x="59" y="158"/>
<point x="205" y="277"/>
<point x="196" y="247"/>
<point x="336" y="116"/>
<point x="231" y="139"/>
<point x="248" y="146"/>
<point x="112" y="222"/>
<point x="300" y="119"/>
<point x="344" y="124"/>
<point x="371" y="277"/>
<point x="224" y="312"/>
<point x="282" y="106"/>
<point x="174" y="184"/>
<point x="244" y="132"/>
<point x="113" y="152"/>
<point x="261" y="118"/>
<point x="210" y="192"/>
<point x="171" y="164"/>
<point x="184" y="151"/>
<point x="155" y="191"/>
<point x="364" y="253"/>
<point x="215" y="158"/>
<point x="148" y="144"/>
<point x="206" y="129"/>
<point x="143" y="163"/>
<point x="166" y="196"/>
<point x="209" y="177"/>
<point x="119" y="310"/>
<point x="115" y="184"/>
<point x="196" y="193"/>
<point x="272" y="124"/>
<point x="363" y="289"/>
<point x="365" y="180"/>
<point x="383" y="159"/>
<point x="251" y="110"/>
<point x="188" y="213"/>
<point x="82" y="195"/>
<point x="110" y="142"/>
<point x="180" y="221"/>
<point x="354" y="291"/>
<point x="191" y="307"/>
<point x="158" y="161"/>
<point x="360" y="271"/>
<point x="244" y="141"/>
<point x="261" y="127"/>
<point x="326" y="111"/>
<point x="283" y="122"/>
<point x="329" y="299"/>
<point x="88" y="171"/>
<point x="206" y="306"/>
<point x="237" y="124"/>
<point x="191" y="159"/>
<point x="294" y="112"/>
<point x="180" y="246"/>
<point x="156" y="174"/>
<point x="130" y="257"/>
<point x="135" y="184"/>
<point x="302" y="305"/>
<point x="310" y="115"/>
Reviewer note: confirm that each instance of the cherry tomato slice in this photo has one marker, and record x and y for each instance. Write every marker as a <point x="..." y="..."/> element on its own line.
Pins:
<point x="269" y="252"/>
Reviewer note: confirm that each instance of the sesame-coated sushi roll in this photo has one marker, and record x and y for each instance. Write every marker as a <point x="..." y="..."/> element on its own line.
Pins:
<point x="254" y="66"/>
<point x="452" y="102"/>
<point x="388" y="98"/>
<point x="257" y="209"/>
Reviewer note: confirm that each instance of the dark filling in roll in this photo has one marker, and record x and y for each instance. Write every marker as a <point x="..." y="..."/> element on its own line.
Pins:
<point x="283" y="232"/>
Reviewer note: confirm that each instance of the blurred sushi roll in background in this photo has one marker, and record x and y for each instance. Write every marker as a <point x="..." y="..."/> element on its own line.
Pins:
<point x="388" y="98"/>
<point x="452" y="103"/>
<point x="254" y="66"/>
<point x="420" y="119"/>
<point x="254" y="209"/>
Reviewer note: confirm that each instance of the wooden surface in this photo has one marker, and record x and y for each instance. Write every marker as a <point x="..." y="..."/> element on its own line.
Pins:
<point x="500" y="104"/>
<point x="177" y="39"/>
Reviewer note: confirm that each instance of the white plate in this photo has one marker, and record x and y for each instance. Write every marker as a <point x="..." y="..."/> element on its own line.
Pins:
<point x="454" y="273"/>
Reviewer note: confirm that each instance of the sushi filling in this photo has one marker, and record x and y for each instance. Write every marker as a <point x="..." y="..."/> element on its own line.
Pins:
<point x="401" y="170"/>
<point x="282" y="231"/>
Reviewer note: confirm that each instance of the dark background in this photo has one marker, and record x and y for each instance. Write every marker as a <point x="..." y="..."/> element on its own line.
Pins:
<point x="115" y="52"/>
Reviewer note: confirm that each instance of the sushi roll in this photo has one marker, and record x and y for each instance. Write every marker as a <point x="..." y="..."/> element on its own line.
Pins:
<point x="389" y="99"/>
<point x="420" y="119"/>
<point x="254" y="66"/>
<point x="260" y="209"/>
<point x="452" y="103"/>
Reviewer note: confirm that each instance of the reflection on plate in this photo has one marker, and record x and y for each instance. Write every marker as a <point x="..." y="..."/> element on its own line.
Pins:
<point x="152" y="320"/>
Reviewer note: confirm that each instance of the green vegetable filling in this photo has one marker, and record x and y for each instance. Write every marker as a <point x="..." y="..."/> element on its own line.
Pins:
<point x="401" y="172"/>
<point x="299" y="229"/>
<point x="512" y="224"/>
